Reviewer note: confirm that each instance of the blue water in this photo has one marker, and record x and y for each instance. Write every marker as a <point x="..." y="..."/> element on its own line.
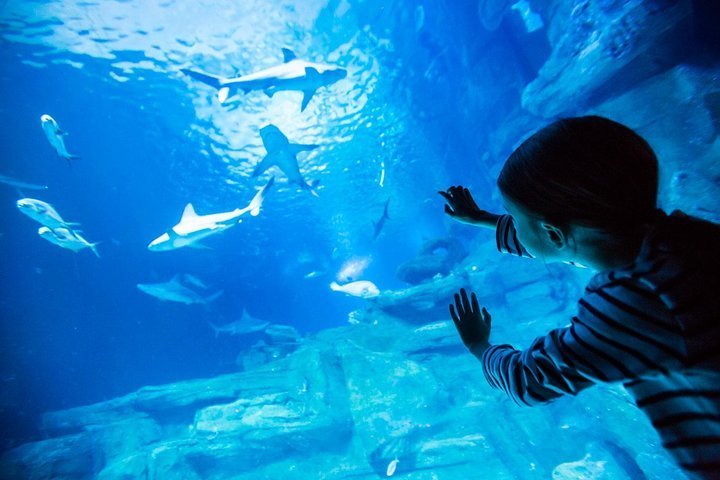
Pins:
<point x="427" y="92"/>
<point x="75" y="329"/>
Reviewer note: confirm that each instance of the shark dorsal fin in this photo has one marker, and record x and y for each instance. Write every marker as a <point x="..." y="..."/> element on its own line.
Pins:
<point x="188" y="213"/>
<point x="311" y="72"/>
<point x="288" y="55"/>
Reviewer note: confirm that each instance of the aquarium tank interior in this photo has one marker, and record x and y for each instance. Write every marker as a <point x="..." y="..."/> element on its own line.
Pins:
<point x="224" y="255"/>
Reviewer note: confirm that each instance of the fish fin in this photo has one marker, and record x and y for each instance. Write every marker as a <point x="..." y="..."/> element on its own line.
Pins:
<point x="335" y="287"/>
<point x="223" y="94"/>
<point x="288" y="55"/>
<point x="188" y="213"/>
<point x="60" y="131"/>
<point x="215" y="328"/>
<point x="312" y="186"/>
<point x="262" y="165"/>
<point x="307" y="96"/>
<point x="71" y="224"/>
<point x="208" y="79"/>
<point x="93" y="247"/>
<point x="299" y="147"/>
<point x="257" y="201"/>
<point x="214" y="296"/>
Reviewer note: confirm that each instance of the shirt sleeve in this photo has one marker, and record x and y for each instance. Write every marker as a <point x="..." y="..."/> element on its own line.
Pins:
<point x="622" y="331"/>
<point x="506" y="237"/>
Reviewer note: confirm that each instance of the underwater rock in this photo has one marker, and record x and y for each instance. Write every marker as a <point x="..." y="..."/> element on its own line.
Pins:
<point x="436" y="257"/>
<point x="421" y="303"/>
<point x="594" y="42"/>
<point x="192" y="429"/>
<point x="677" y="112"/>
<point x="69" y="457"/>
<point x="281" y="341"/>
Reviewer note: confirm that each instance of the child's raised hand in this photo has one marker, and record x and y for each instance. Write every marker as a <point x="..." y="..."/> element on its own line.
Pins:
<point x="461" y="206"/>
<point x="472" y="323"/>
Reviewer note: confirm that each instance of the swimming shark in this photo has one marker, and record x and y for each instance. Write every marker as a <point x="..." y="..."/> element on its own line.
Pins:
<point x="283" y="154"/>
<point x="55" y="135"/>
<point x="292" y="74"/>
<point x="244" y="326"/>
<point x="193" y="227"/>
<point x="43" y="213"/>
<point x="20" y="184"/>
<point x="67" y="238"/>
<point x="378" y="226"/>
<point x="176" y="291"/>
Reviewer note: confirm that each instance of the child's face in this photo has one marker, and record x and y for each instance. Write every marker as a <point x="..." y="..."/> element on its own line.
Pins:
<point x="540" y="239"/>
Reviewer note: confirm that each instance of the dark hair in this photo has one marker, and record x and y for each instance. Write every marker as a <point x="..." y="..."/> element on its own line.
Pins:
<point x="589" y="171"/>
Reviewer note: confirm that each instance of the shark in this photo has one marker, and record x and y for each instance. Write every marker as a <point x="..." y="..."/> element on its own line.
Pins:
<point x="19" y="184"/>
<point x="67" y="238"/>
<point x="193" y="227"/>
<point x="292" y="74"/>
<point x="55" y="136"/>
<point x="43" y="213"/>
<point x="176" y="291"/>
<point x="283" y="154"/>
<point x="378" y="226"/>
<point x="244" y="326"/>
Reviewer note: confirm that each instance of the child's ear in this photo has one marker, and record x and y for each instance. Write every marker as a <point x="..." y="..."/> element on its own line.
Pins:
<point x="555" y="235"/>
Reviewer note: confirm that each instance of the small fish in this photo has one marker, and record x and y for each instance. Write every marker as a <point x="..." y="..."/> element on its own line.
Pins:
<point x="378" y="226"/>
<point x="532" y="20"/>
<point x="175" y="291"/>
<point x="361" y="288"/>
<point x="20" y="184"/>
<point x="419" y="17"/>
<point x="43" y="213"/>
<point x="66" y="238"/>
<point x="392" y="466"/>
<point x="55" y="135"/>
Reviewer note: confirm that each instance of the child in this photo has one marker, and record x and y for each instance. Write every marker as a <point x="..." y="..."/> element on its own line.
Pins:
<point x="584" y="191"/>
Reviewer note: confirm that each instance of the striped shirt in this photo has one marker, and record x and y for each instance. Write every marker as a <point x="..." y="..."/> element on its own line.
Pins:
<point x="653" y="325"/>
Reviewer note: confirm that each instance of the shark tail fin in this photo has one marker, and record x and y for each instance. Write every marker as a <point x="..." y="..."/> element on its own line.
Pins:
<point x="214" y="81"/>
<point x="215" y="328"/>
<point x="93" y="247"/>
<point x="257" y="201"/>
<point x="312" y="187"/>
<point x="214" y="296"/>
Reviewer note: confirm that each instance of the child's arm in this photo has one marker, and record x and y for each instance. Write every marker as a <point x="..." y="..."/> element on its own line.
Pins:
<point x="622" y="331"/>
<point x="462" y="207"/>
